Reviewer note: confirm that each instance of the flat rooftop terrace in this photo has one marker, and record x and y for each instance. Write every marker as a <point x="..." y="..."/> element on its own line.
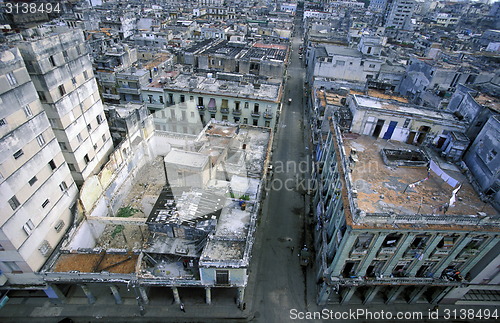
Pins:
<point x="384" y="189"/>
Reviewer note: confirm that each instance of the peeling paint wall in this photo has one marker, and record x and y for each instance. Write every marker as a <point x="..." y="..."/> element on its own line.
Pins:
<point x="237" y="276"/>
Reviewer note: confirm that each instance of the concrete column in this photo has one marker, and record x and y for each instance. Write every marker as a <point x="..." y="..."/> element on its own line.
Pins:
<point x="343" y="252"/>
<point x="370" y="294"/>
<point x="394" y="293"/>
<point x="241" y="295"/>
<point x="176" y="295"/>
<point x="116" y="294"/>
<point x="144" y="295"/>
<point x="416" y="294"/>
<point x="324" y="294"/>
<point x="90" y="297"/>
<point x="208" y="295"/>
<point x="55" y="293"/>
<point x="452" y="255"/>
<point x="438" y="295"/>
<point x="347" y="294"/>
<point x="412" y="270"/>
<point x="397" y="256"/>
<point x="372" y="252"/>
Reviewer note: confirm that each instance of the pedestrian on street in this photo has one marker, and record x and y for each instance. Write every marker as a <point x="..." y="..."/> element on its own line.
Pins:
<point x="293" y="249"/>
<point x="182" y="308"/>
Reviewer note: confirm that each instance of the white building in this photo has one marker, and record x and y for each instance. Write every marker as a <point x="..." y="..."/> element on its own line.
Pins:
<point x="37" y="192"/>
<point x="62" y="74"/>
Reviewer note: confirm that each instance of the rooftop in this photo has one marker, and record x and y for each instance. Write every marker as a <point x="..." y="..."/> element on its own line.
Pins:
<point x="384" y="189"/>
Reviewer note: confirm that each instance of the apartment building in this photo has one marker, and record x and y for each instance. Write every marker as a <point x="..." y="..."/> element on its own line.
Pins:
<point x="391" y="228"/>
<point x="37" y="192"/>
<point x="226" y="97"/>
<point x="61" y="71"/>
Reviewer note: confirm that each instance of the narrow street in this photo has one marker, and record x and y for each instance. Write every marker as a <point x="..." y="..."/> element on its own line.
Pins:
<point x="280" y="281"/>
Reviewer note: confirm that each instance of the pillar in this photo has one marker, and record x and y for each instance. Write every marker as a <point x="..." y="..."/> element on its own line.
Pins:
<point x="476" y="258"/>
<point x="144" y="295"/>
<point x="324" y="294"/>
<point x="418" y="263"/>
<point x="347" y="294"/>
<point x="241" y="295"/>
<point x="90" y="297"/>
<point x="342" y="252"/>
<point x="55" y="293"/>
<point x="394" y="293"/>
<point x="372" y="252"/>
<point x="416" y="294"/>
<point x="370" y="294"/>
<point x="397" y="256"/>
<point x="176" y="295"/>
<point x="208" y="295"/>
<point x="116" y="294"/>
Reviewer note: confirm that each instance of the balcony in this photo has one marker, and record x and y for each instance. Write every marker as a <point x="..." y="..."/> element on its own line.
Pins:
<point x="155" y="105"/>
<point x="127" y="90"/>
<point x="237" y="112"/>
<point x="387" y="251"/>
<point x="201" y="108"/>
<point x="212" y="109"/>
<point x="110" y="96"/>
<point x="268" y="115"/>
<point x="255" y="114"/>
<point x="224" y="110"/>
<point x="358" y="253"/>
<point x="441" y="252"/>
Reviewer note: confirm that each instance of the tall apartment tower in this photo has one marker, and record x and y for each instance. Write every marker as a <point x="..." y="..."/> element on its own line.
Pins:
<point x="60" y="68"/>
<point x="37" y="191"/>
<point x="398" y="14"/>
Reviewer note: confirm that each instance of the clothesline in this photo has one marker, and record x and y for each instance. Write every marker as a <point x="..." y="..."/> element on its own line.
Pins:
<point x="445" y="177"/>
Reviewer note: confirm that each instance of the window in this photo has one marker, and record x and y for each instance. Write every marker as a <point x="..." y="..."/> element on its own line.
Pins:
<point x="45" y="248"/>
<point x="79" y="137"/>
<point x="369" y="77"/>
<point x="63" y="186"/>
<point x="28" y="227"/>
<point x="11" y="78"/>
<point x="150" y="98"/>
<point x="1" y="248"/>
<point x="52" y="61"/>
<point x="18" y="154"/>
<point x="245" y="120"/>
<point x="212" y="116"/>
<point x="62" y="90"/>
<point x="42" y="96"/>
<point x="27" y="111"/>
<point x="99" y="119"/>
<point x="89" y="127"/>
<point x="407" y="122"/>
<point x="161" y="99"/>
<point x="255" y="122"/>
<point x="85" y="75"/>
<point x="361" y="63"/>
<point x="13" y="267"/>
<point x="191" y="98"/>
<point x="340" y="63"/>
<point x="63" y="146"/>
<point x="14" y="202"/>
<point x="372" y="65"/>
<point x="65" y="54"/>
<point x="78" y="50"/>
<point x="33" y="180"/>
<point x="192" y="114"/>
<point x="40" y="140"/>
<point x="45" y="203"/>
<point x="104" y="138"/>
<point x="183" y="98"/>
<point x="86" y="158"/>
<point x="491" y="155"/>
<point x="3" y="122"/>
<point x="52" y="165"/>
<point x="71" y="167"/>
<point x="59" y="226"/>
<point x="73" y="80"/>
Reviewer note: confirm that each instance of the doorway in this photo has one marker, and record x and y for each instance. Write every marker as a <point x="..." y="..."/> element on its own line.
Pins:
<point x="378" y="128"/>
<point x="390" y="130"/>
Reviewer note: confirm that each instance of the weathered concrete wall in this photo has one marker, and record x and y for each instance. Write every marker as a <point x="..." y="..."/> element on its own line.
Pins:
<point x="237" y="276"/>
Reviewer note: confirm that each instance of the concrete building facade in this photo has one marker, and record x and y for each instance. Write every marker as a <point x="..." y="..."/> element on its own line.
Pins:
<point x="62" y="74"/>
<point x="37" y="192"/>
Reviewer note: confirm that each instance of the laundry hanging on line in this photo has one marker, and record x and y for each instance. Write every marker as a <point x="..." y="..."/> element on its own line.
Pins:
<point x="445" y="177"/>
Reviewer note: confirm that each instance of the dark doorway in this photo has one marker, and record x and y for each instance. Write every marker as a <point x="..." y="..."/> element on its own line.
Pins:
<point x="349" y="268"/>
<point x="411" y="137"/>
<point x="422" y="134"/>
<point x="440" y="142"/>
<point x="222" y="277"/>
<point x="378" y="128"/>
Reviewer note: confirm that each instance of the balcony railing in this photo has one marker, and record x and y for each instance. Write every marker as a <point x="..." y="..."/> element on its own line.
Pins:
<point x="201" y="108"/>
<point x="387" y="251"/>
<point x="237" y="112"/>
<point x="255" y="114"/>
<point x="212" y="109"/>
<point x="268" y="115"/>
<point x="224" y="110"/>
